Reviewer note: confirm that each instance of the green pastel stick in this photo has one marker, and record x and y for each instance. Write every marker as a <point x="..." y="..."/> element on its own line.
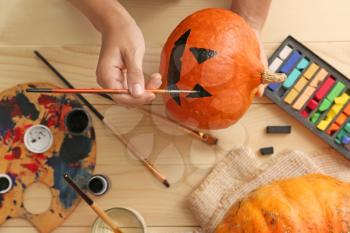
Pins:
<point x="315" y="117"/>
<point x="347" y="127"/>
<point x="326" y="104"/>
<point x="336" y="90"/>
<point x="340" y="135"/>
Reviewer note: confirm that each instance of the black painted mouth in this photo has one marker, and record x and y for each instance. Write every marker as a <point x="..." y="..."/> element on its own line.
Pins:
<point x="201" y="92"/>
<point x="175" y="64"/>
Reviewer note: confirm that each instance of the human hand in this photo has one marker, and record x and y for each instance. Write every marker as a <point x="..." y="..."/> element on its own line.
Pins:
<point x="122" y="51"/>
<point x="255" y="14"/>
<point x="120" y="62"/>
<point x="263" y="59"/>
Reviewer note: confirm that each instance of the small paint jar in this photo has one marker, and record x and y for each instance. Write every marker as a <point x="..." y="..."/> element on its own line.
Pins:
<point x="98" y="185"/>
<point x="38" y="139"/>
<point x="77" y="121"/>
<point x="5" y="183"/>
<point x="128" y="219"/>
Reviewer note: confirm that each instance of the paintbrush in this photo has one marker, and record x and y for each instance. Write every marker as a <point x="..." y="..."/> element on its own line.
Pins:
<point x="99" y="115"/>
<point x="100" y="212"/>
<point x="205" y="137"/>
<point x="100" y="90"/>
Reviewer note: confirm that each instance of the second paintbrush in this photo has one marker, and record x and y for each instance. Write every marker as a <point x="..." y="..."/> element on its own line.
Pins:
<point x="100" y="90"/>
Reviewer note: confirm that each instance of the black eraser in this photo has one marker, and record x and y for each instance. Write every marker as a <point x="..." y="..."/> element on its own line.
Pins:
<point x="283" y="129"/>
<point x="266" y="150"/>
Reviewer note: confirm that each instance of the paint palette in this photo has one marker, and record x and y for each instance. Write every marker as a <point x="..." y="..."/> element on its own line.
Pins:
<point x="315" y="93"/>
<point x="72" y="154"/>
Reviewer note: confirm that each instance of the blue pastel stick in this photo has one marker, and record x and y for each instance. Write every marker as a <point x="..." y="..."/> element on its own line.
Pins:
<point x="290" y="63"/>
<point x="273" y="86"/>
<point x="345" y="140"/>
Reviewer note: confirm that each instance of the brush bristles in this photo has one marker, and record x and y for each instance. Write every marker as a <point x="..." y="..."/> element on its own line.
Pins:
<point x="166" y="183"/>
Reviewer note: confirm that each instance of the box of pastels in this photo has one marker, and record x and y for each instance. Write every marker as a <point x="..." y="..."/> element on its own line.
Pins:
<point x="314" y="93"/>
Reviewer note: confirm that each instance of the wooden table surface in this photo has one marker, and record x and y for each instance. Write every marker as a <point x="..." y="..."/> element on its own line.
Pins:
<point x="67" y="39"/>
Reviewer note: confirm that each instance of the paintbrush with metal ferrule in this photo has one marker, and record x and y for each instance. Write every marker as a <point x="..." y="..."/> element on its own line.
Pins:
<point x="115" y="131"/>
<point x="100" y="91"/>
<point x="203" y="136"/>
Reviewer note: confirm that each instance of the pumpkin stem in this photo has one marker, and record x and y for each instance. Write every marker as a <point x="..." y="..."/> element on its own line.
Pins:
<point x="270" y="77"/>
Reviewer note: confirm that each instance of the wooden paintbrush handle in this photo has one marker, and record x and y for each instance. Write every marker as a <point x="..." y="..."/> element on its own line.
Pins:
<point x="204" y="137"/>
<point x="137" y="153"/>
<point x="102" y="214"/>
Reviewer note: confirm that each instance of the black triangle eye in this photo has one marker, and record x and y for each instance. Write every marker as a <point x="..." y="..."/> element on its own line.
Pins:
<point x="201" y="92"/>
<point x="202" y="54"/>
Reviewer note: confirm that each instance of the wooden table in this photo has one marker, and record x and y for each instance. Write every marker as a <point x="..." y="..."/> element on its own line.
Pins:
<point x="71" y="44"/>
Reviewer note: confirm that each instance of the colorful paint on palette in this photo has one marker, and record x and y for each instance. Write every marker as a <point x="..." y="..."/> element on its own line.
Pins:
<point x="314" y="93"/>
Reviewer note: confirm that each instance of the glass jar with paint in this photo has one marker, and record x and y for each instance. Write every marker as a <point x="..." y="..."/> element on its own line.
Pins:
<point x="77" y="121"/>
<point x="98" y="185"/>
<point x="5" y="183"/>
<point x="128" y="219"/>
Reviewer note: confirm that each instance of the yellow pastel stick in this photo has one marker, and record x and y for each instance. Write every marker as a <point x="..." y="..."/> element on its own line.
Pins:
<point x="339" y="103"/>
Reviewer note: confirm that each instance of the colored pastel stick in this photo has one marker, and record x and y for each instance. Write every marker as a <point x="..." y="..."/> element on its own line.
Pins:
<point x="320" y="93"/>
<point x="291" y="96"/>
<point x="310" y="89"/>
<point x="300" y="84"/>
<point x="341" y="135"/>
<point x="285" y="52"/>
<point x="309" y="73"/>
<point x="347" y="127"/>
<point x="340" y="120"/>
<point x="320" y="76"/>
<point x="345" y="140"/>
<point x="266" y="151"/>
<point x="336" y="108"/>
<point x="328" y="101"/>
<point x="346" y="110"/>
<point x="282" y="129"/>
<point x="314" y="93"/>
<point x="275" y="64"/>
<point x="290" y="63"/>
<point x="273" y="86"/>
<point x="333" y="129"/>
<point x="324" y="89"/>
<point x="315" y="117"/>
<point x="294" y="75"/>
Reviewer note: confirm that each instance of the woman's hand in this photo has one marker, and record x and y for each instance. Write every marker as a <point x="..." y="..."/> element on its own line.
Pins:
<point x="122" y="51"/>
<point x="120" y="63"/>
<point x="263" y="59"/>
<point x="255" y="14"/>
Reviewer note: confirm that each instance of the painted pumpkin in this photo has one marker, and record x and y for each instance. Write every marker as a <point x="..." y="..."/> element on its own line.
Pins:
<point x="308" y="204"/>
<point x="214" y="52"/>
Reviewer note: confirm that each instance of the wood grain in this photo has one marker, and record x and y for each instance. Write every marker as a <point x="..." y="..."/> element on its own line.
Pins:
<point x="189" y="163"/>
<point x="68" y="40"/>
<point x="56" y="22"/>
<point x="87" y="229"/>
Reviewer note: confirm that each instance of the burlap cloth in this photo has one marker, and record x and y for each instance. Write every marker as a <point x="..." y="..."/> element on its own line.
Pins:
<point x="242" y="171"/>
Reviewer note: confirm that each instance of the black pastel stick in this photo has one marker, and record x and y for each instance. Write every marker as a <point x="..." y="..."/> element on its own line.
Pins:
<point x="266" y="150"/>
<point x="283" y="129"/>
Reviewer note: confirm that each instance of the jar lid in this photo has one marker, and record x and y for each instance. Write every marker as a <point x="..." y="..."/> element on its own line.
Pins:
<point x="38" y="139"/>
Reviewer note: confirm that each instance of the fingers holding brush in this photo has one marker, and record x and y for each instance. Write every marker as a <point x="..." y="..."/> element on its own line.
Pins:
<point x="154" y="82"/>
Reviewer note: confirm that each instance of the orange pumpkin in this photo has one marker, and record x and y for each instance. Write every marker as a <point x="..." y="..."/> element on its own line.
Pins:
<point x="215" y="52"/>
<point x="309" y="204"/>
